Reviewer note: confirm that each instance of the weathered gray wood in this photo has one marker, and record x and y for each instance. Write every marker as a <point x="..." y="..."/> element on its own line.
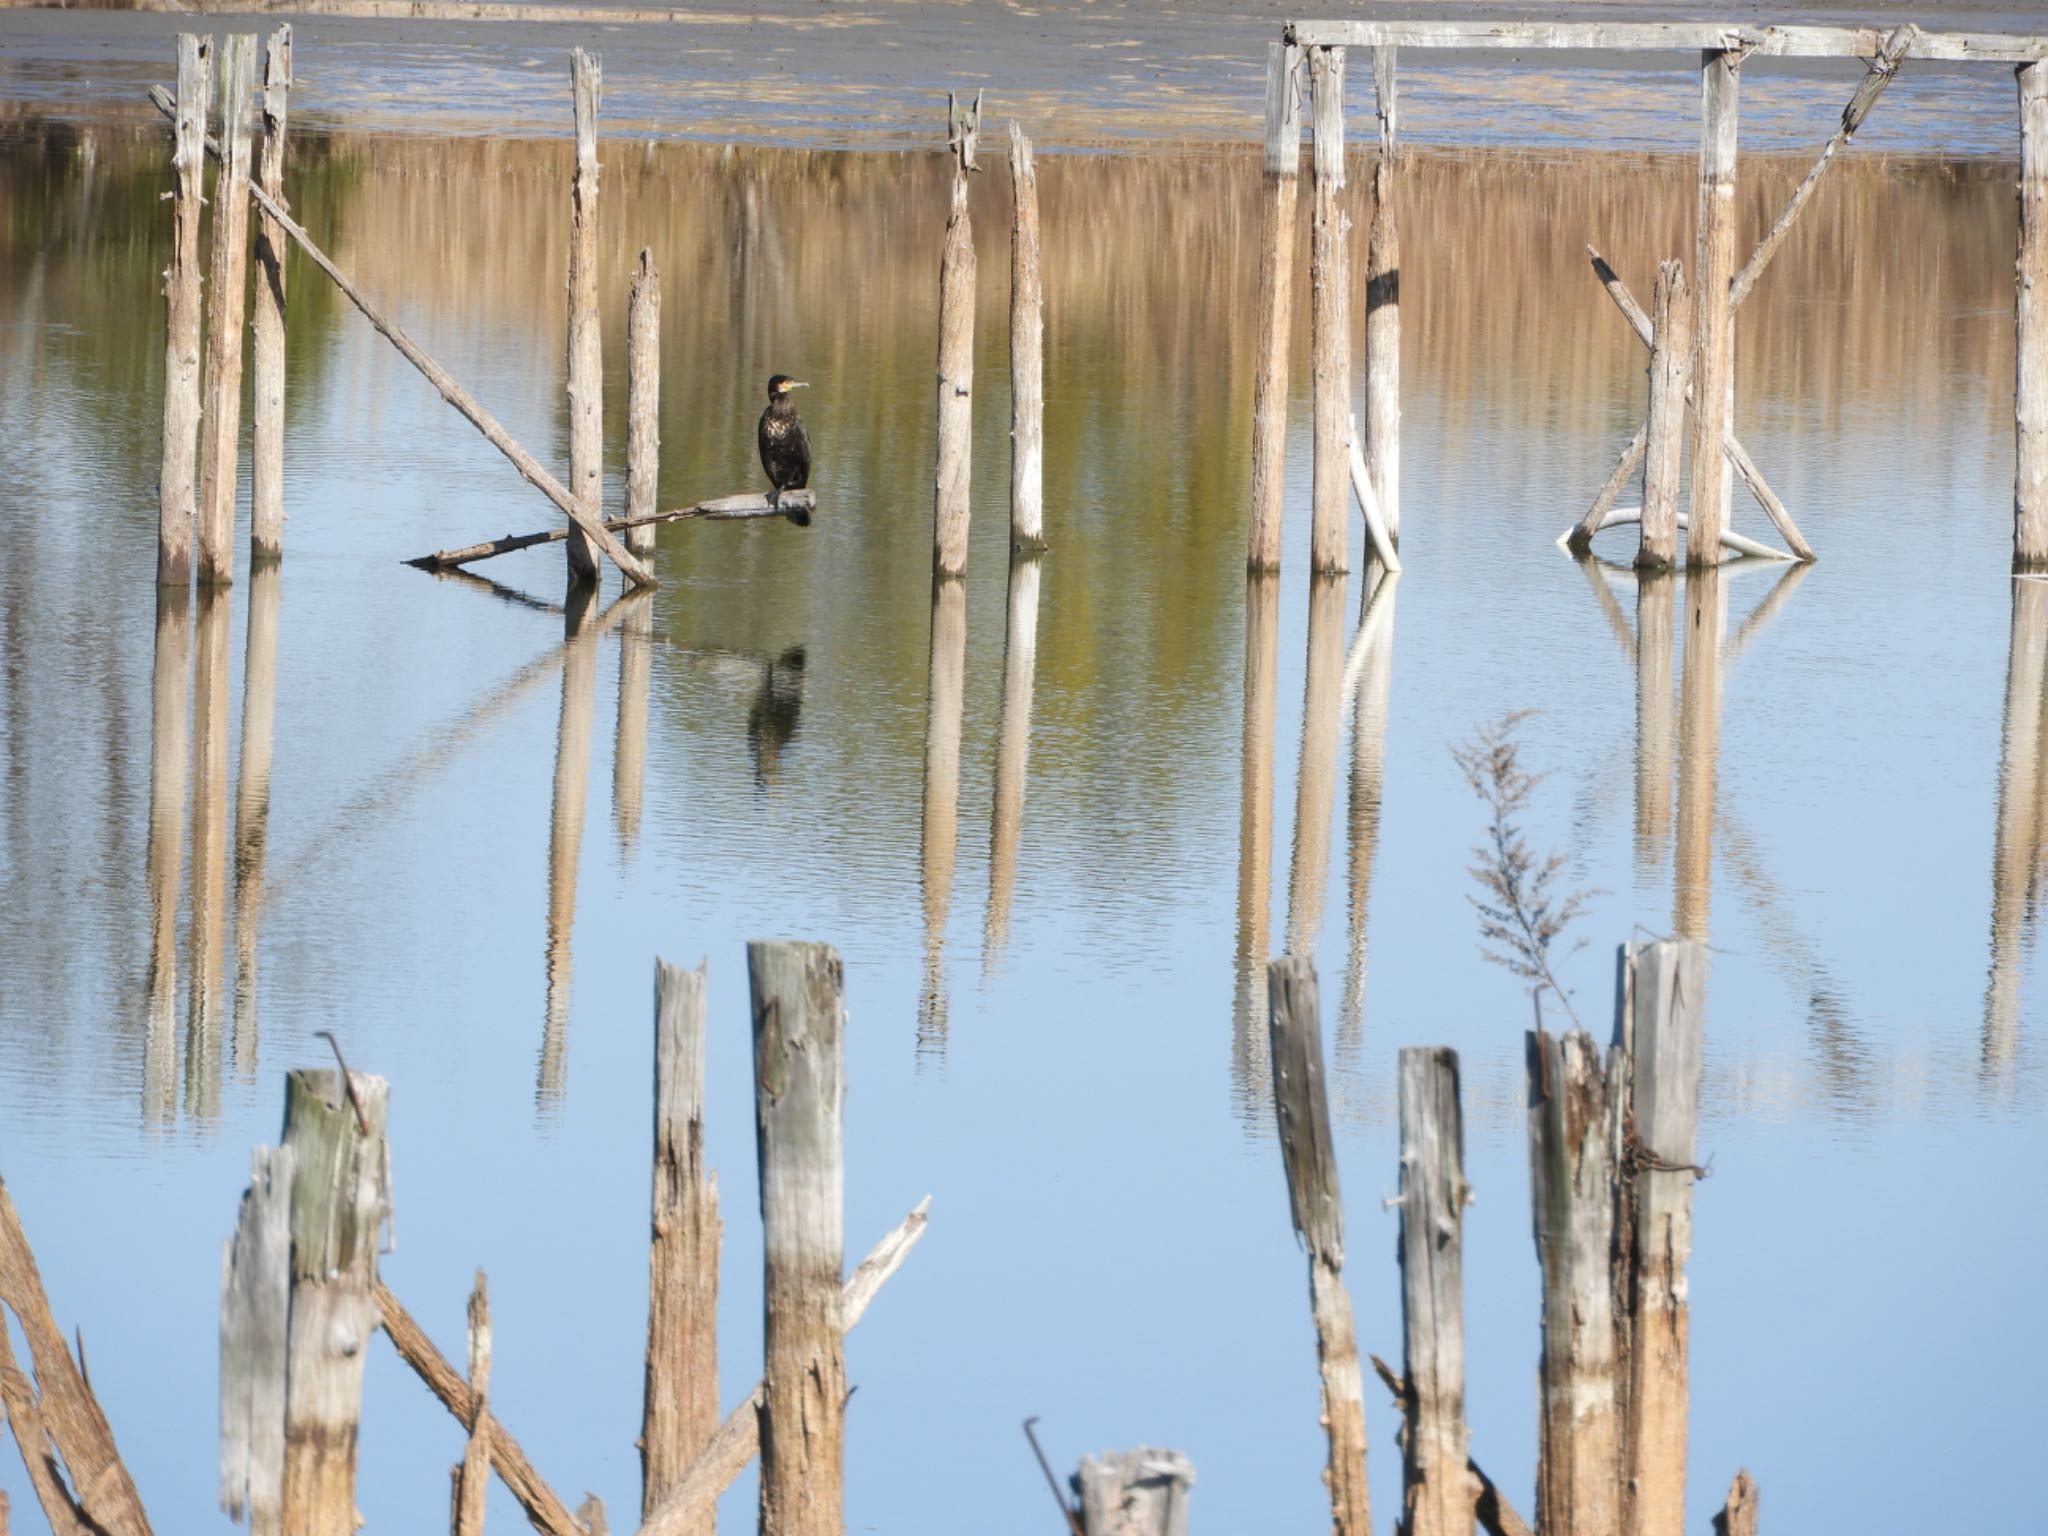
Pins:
<point x="1666" y="986"/>
<point x="220" y="411"/>
<point x="1713" y="368"/>
<point x="681" y="1406"/>
<point x="586" y="339"/>
<point x="1574" y="1113"/>
<point x="799" y="1011"/>
<point x="1302" y="1109"/>
<point x="952" y="486"/>
<point x="791" y="506"/>
<point x="1330" y="323"/>
<point x="1656" y="604"/>
<point x="1436" y="1446"/>
<point x="1383" y="308"/>
<point x="643" y="401"/>
<point x="1699" y="745"/>
<point x="1496" y="1516"/>
<point x="207" y="923"/>
<point x="252" y="801"/>
<point x="939" y="827"/>
<point x="473" y="1472"/>
<point x="177" y="478"/>
<point x="339" y="1203"/>
<point x="1027" y="353"/>
<point x="738" y="1438"/>
<point x="1738" y="1515"/>
<point x="566" y="814"/>
<point x="530" y="469"/>
<point x="39" y="1456"/>
<point x="1664" y="453"/>
<point x="1013" y="751"/>
<point x="1276" y="305"/>
<point x="266" y="432"/>
<point x="254" y="1305"/>
<point x="1681" y="36"/>
<point x="1248" y="1050"/>
<point x="2030" y="395"/>
<point x="1135" y="1493"/>
<point x="170" y="704"/>
<point x="1745" y="468"/>
<point x="1315" y="795"/>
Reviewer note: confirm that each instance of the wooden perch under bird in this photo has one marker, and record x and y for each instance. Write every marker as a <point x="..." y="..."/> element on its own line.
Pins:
<point x="794" y="506"/>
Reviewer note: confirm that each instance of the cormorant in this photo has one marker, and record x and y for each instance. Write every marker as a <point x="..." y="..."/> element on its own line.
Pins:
<point x="785" y="449"/>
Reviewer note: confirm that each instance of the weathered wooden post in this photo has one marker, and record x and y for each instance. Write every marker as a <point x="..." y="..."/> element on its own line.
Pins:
<point x="206" y="936"/>
<point x="1713" y="370"/>
<point x="586" y="339"/>
<point x="1574" y="1120"/>
<point x="1330" y="322"/>
<point x="1134" y="1493"/>
<point x="643" y="400"/>
<point x="255" y="1304"/>
<point x="1699" y="749"/>
<point x="1656" y="604"/>
<point x="1027" y="353"/>
<point x="565" y="834"/>
<point x="266" y="439"/>
<point x="952" y="488"/>
<point x="1276" y="305"/>
<point x="170" y="704"/>
<point x="799" y="1087"/>
<point x="629" y="743"/>
<point x="220" y="420"/>
<point x="1248" y="1056"/>
<point x="1436" y="1445"/>
<point x="1315" y="796"/>
<point x="1013" y="751"/>
<point x="252" y="800"/>
<point x="2030" y="397"/>
<point x="681" y="1407"/>
<point x="177" y="499"/>
<point x="939" y="836"/>
<point x="472" y="1474"/>
<point x="1383" y="308"/>
<point x="334" y="1126"/>
<point x="1302" y="1107"/>
<point x="1670" y="353"/>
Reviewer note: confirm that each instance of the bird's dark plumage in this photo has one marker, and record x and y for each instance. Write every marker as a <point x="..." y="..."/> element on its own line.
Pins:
<point x="785" y="447"/>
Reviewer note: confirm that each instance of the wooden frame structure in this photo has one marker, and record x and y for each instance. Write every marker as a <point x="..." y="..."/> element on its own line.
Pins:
<point x="1695" y="359"/>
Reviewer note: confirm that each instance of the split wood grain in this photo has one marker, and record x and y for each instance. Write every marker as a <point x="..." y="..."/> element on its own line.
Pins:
<point x="473" y="1472"/>
<point x="178" y="472"/>
<point x="1683" y="36"/>
<point x="1276" y="305"/>
<point x="1329" y="322"/>
<point x="220" y="411"/>
<point x="39" y="1456"/>
<point x="1664" y="451"/>
<point x="1135" y="1493"/>
<point x="1436" y="1444"/>
<point x="267" y="331"/>
<point x="1713" y="368"/>
<point x="254" y="1309"/>
<point x="586" y="339"/>
<point x="1490" y="1507"/>
<point x="952" y="487"/>
<point x="643" y="402"/>
<point x="1383" y="306"/>
<point x="1027" y="352"/>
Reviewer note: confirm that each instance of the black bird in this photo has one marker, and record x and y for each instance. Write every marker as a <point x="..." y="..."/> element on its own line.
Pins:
<point x="785" y="448"/>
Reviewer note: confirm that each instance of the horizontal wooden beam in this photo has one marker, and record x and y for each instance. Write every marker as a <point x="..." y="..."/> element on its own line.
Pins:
<point x="1668" y="36"/>
<point x="792" y="506"/>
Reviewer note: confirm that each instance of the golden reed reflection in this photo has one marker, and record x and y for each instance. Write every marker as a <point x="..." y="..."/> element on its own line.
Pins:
<point x="1013" y="755"/>
<point x="1250" y="1060"/>
<point x="206" y="937"/>
<point x="940" y="837"/>
<point x="252" y="802"/>
<point x="169" y="711"/>
<point x="2022" y="828"/>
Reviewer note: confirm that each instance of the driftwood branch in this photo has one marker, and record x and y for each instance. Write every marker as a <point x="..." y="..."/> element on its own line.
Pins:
<point x="796" y="506"/>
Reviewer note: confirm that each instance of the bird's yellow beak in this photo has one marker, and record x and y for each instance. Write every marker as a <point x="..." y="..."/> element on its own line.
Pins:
<point x="794" y="384"/>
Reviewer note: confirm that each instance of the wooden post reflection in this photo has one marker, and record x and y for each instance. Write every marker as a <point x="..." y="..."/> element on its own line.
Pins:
<point x="1656" y="601"/>
<point x="252" y="800"/>
<point x="629" y="752"/>
<point x="941" y="834"/>
<point x="1013" y="753"/>
<point x="1369" y="678"/>
<point x="565" y="831"/>
<point x="2015" y="850"/>
<point x="1315" y="795"/>
<point x="169" y="706"/>
<point x="1250" y="1058"/>
<point x="207" y="936"/>
<point x="1699" y="745"/>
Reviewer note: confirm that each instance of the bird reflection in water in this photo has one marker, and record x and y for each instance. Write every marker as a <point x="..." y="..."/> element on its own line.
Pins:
<point x="773" y="716"/>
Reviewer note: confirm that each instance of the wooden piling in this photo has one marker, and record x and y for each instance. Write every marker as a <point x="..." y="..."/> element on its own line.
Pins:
<point x="952" y="486"/>
<point x="252" y="801"/>
<point x="1135" y="1493"/>
<point x="1699" y="749"/>
<point x="1574" y="1117"/>
<point x="206" y="931"/>
<point x="1713" y="369"/>
<point x="586" y="339"/>
<point x="643" y="400"/>
<point x="1315" y="796"/>
<point x="565" y="835"/>
<point x="1436" y="1446"/>
<point x="473" y="1472"/>
<point x="1027" y="353"/>
<point x="939" y="834"/>
<point x="799" y="1087"/>
<point x="177" y="480"/>
<point x="170" y="704"/>
<point x="266" y="436"/>
<point x="340" y="1201"/>
<point x="1302" y="1108"/>
<point x="1738" y="1515"/>
<point x="1330" y="322"/>
<point x="1013" y="752"/>
<point x="1656" y="603"/>
<point x="1383" y="308"/>
<point x="220" y="418"/>
<point x="1248" y="1053"/>
<point x="1670" y="356"/>
<point x="254" y="1308"/>
<point x="681" y="1404"/>
<point x="2030" y="396"/>
<point x="1276" y="305"/>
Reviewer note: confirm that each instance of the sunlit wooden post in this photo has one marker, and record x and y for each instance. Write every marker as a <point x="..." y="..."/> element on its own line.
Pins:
<point x="255" y="1304"/>
<point x="586" y="340"/>
<point x="220" y="421"/>
<point x="266" y="435"/>
<point x="643" y="400"/>
<point x="1436" y="1443"/>
<point x="1027" y="352"/>
<point x="2030" y="403"/>
<point x="1135" y="1493"/>
<point x="177" y="494"/>
<point x="1670" y="349"/>
<point x="952" y="505"/>
<point x="1383" y="307"/>
<point x="1330" y="322"/>
<point x="1276" y="305"/>
<point x="1713" y="371"/>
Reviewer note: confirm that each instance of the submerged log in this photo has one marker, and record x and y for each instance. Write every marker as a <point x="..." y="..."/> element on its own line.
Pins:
<point x="1330" y="323"/>
<point x="792" y="506"/>
<point x="586" y="339"/>
<point x="1135" y="1493"/>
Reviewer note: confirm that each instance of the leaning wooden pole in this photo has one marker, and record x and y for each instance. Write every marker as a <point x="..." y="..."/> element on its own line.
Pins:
<point x="1302" y="1107"/>
<point x="1276" y="305"/>
<point x="266" y="435"/>
<point x="643" y="401"/>
<point x="952" y="483"/>
<point x="1027" y="353"/>
<point x="1330" y="323"/>
<point x="220" y="420"/>
<point x="586" y="340"/>
<point x="177" y="480"/>
<point x="1713" y="368"/>
<point x="1436" y="1445"/>
<point x="2030" y="395"/>
<point x="1670" y="354"/>
<point x="1383" y="309"/>
<point x="799" y="1087"/>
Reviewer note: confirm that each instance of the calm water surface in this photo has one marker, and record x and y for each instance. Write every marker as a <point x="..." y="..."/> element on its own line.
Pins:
<point x="475" y="834"/>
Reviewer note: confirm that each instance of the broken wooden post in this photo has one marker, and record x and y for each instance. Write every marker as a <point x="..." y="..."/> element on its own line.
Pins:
<point x="1670" y="355"/>
<point x="177" y="480"/>
<point x="1315" y="795"/>
<point x="472" y="1474"/>
<point x="266" y="432"/>
<point x="939" y="834"/>
<point x="1383" y="309"/>
<point x="1713" y="369"/>
<point x="170" y="704"/>
<point x="1276" y="305"/>
<point x="1013" y="751"/>
<point x="1027" y="353"/>
<point x="643" y="401"/>
<point x="1574" y="1119"/>
<point x="220" y="416"/>
<point x="255" y="1299"/>
<point x="1738" y="1515"/>
<point x="252" y="799"/>
<point x="1134" y="1493"/>
<point x="2030" y="398"/>
<point x="1436" y="1446"/>
<point x="799" y="1088"/>
<point x="1699" y="747"/>
<point x="1302" y="1108"/>
<point x="681" y="1403"/>
<point x="1330" y="323"/>
<point x="206" y="930"/>
<point x="334" y="1126"/>
<point x="952" y="488"/>
<point x="586" y="340"/>
<point x="565" y="835"/>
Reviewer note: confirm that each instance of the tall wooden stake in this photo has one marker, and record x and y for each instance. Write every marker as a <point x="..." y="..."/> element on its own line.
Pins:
<point x="643" y="400"/>
<point x="255" y="1303"/>
<point x="1027" y="353"/>
<point x="1713" y="371"/>
<point x="1436" y="1445"/>
<point x="266" y="451"/>
<point x="952" y="486"/>
<point x="586" y="340"/>
<point x="1383" y="309"/>
<point x="220" y="421"/>
<point x="1276" y="305"/>
<point x="1670" y="353"/>
<point x="2030" y="399"/>
<point x="799" y="1086"/>
<point x="177" y="497"/>
<point x="1330" y="322"/>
